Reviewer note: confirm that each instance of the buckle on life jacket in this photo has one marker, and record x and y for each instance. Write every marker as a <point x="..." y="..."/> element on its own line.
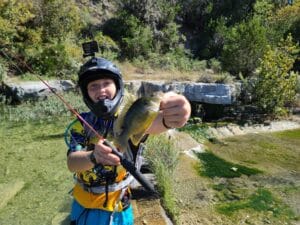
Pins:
<point x="111" y="187"/>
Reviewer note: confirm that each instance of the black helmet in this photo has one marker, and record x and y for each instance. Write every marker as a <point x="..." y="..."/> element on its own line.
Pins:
<point x="94" y="69"/>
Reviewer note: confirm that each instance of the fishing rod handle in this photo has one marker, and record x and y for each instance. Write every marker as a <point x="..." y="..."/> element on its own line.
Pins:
<point x="114" y="150"/>
<point x="130" y="167"/>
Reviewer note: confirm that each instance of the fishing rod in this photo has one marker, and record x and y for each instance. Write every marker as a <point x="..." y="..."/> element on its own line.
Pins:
<point x="128" y="165"/>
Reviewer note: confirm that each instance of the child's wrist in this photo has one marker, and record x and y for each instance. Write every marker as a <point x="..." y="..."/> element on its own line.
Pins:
<point x="164" y="124"/>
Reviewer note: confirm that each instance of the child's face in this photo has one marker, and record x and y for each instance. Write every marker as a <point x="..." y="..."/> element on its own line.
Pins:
<point x="102" y="89"/>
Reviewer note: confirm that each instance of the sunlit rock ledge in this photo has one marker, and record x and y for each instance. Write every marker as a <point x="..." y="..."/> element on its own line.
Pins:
<point x="212" y="93"/>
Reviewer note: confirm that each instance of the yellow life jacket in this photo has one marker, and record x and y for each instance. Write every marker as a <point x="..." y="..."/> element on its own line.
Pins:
<point x="93" y="189"/>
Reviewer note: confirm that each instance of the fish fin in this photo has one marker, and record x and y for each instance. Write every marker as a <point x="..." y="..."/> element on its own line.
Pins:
<point x="136" y="138"/>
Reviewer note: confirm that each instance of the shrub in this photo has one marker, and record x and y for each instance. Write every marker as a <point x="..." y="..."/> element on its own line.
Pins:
<point x="144" y="27"/>
<point x="276" y="84"/>
<point x="286" y="20"/>
<point x="162" y="157"/>
<point x="109" y="49"/>
<point x="14" y="15"/>
<point x="178" y="59"/>
<point x="298" y="84"/>
<point x="32" y="46"/>
<point x="159" y="15"/>
<point x="138" y="39"/>
<point x="215" y="65"/>
<point x="54" y="60"/>
<point x="169" y="39"/>
<point x="57" y="19"/>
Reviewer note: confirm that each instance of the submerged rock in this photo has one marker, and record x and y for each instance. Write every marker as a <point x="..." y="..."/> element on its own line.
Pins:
<point x="9" y="190"/>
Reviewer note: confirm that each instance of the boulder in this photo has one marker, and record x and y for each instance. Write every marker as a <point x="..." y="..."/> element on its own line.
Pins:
<point x="34" y="90"/>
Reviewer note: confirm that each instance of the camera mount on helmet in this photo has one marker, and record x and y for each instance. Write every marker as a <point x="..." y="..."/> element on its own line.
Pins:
<point x="97" y="68"/>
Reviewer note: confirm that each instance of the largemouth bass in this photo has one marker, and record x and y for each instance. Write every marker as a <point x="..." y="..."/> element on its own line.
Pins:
<point x="135" y="122"/>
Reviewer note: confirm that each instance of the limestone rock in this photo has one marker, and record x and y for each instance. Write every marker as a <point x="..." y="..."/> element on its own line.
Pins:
<point x="195" y="92"/>
<point x="34" y="90"/>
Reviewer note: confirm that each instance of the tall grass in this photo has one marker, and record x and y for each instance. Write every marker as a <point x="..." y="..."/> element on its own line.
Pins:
<point x="162" y="157"/>
<point x="41" y="110"/>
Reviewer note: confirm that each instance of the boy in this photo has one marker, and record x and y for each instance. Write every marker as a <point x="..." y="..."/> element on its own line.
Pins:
<point x="101" y="194"/>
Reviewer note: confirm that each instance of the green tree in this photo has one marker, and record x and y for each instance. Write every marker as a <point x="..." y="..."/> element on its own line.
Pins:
<point x="134" y="37"/>
<point x="276" y="84"/>
<point x="152" y="23"/>
<point x="14" y="14"/>
<point x="14" y="17"/>
<point x="138" y="39"/>
<point x="244" y="44"/>
<point x="52" y="59"/>
<point x="57" y="19"/>
<point x="199" y="19"/>
<point x="284" y="21"/>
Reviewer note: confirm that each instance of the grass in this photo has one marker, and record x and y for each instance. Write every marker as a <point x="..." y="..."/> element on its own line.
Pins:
<point x="41" y="110"/>
<point x="289" y="135"/>
<point x="162" y="157"/>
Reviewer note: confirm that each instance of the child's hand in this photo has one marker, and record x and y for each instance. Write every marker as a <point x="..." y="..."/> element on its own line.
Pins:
<point x="176" y="110"/>
<point x="104" y="155"/>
